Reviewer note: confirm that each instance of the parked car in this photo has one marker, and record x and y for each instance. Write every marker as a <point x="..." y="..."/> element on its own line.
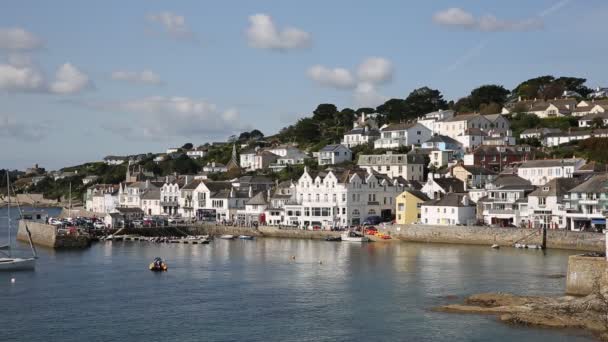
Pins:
<point x="137" y="223"/>
<point x="372" y="220"/>
<point x="99" y="225"/>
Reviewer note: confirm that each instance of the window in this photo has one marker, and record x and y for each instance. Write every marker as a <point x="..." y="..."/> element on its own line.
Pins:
<point x="325" y="212"/>
<point x="356" y="212"/>
<point x="419" y="205"/>
<point x="542" y="201"/>
<point x="316" y="211"/>
<point x="306" y="211"/>
<point x="401" y="207"/>
<point x="371" y="212"/>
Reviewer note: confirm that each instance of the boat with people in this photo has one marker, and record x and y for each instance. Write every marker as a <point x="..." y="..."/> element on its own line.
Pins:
<point x="158" y="265"/>
<point x="352" y="236"/>
<point x="8" y="262"/>
<point x="246" y="237"/>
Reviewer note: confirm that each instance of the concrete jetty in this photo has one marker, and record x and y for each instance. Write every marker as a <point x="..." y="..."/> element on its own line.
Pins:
<point x="49" y="236"/>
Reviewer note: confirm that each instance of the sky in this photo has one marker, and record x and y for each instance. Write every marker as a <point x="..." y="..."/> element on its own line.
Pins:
<point x="80" y="80"/>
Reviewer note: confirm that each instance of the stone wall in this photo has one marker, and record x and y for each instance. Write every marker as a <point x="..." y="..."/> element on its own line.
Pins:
<point x="478" y="235"/>
<point x="584" y="274"/>
<point x="261" y="231"/>
<point x="46" y="235"/>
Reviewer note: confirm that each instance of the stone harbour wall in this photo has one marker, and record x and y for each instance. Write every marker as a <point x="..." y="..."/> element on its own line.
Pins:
<point x="46" y="235"/>
<point x="585" y="274"/>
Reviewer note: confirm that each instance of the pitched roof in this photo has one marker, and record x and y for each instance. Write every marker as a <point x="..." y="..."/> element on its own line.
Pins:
<point x="332" y="148"/>
<point x="461" y="117"/>
<point x="477" y="170"/>
<point x="556" y="187"/>
<point x="418" y="194"/>
<point x="151" y="194"/>
<point x="549" y="163"/>
<point x="192" y="185"/>
<point x="450" y="184"/>
<point x="399" y="126"/>
<point x="512" y="182"/>
<point x="444" y="139"/>
<point x="362" y="131"/>
<point x="258" y="199"/>
<point x="492" y="117"/>
<point x="451" y="199"/>
<point x="595" y="184"/>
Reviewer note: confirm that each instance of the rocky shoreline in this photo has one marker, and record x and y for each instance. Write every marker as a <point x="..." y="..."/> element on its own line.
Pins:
<point x="588" y="313"/>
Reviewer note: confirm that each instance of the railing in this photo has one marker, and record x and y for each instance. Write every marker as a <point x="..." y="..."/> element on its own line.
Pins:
<point x="503" y="212"/>
<point x="168" y="203"/>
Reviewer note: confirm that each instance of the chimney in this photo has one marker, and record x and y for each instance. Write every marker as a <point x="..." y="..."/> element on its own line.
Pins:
<point x="231" y="192"/>
<point x="250" y="191"/>
<point x="147" y="183"/>
<point x="465" y="200"/>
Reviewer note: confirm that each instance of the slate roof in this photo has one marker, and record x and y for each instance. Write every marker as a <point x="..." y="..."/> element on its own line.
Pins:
<point x="477" y="170"/>
<point x="332" y="148"/>
<point x="152" y="194"/>
<point x="361" y="131"/>
<point x="556" y="187"/>
<point x="192" y="185"/>
<point x="258" y="199"/>
<point x="549" y="163"/>
<point x="444" y="139"/>
<point x="595" y="184"/>
<point x="449" y="200"/>
<point x="450" y="184"/>
<point x="461" y="117"/>
<point x="399" y="126"/>
<point x="419" y="194"/>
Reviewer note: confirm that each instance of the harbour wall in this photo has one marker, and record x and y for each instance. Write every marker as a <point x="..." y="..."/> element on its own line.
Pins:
<point x="46" y="235"/>
<point x="479" y="235"/>
<point x="586" y="275"/>
<point x="468" y="235"/>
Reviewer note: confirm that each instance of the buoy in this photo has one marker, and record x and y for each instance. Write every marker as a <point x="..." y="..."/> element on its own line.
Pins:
<point x="12" y="280"/>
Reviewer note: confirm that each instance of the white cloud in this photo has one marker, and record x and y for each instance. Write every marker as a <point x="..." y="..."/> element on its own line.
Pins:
<point x="19" y="60"/>
<point x="366" y="95"/>
<point x="174" y="24"/>
<point x="262" y="33"/>
<point x="332" y="77"/>
<point x="375" y="70"/>
<point x="145" y="76"/>
<point x="15" y="78"/>
<point x="459" y="18"/>
<point x="16" y="38"/>
<point x="160" y="116"/>
<point x="69" y="80"/>
<point x="12" y="128"/>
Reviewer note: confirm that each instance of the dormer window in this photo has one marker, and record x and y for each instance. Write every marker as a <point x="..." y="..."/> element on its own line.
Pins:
<point x="545" y="188"/>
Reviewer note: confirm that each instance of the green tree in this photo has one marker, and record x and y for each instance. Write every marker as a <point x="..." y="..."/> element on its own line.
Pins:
<point x="486" y="95"/>
<point x="187" y="146"/>
<point x="423" y="100"/>
<point x="597" y="122"/>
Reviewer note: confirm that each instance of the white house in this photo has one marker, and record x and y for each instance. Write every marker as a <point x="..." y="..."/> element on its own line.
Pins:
<point x="360" y="136"/>
<point x="102" y="198"/>
<point x="542" y="108"/>
<point x="214" y="167"/>
<point x="340" y="198"/>
<point x="429" y="119"/>
<point x="449" y="210"/>
<point x="89" y="179"/>
<point x="408" y="166"/>
<point x="438" y="187"/>
<point x="402" y="134"/>
<point x="334" y="154"/>
<point x="589" y="119"/>
<point x="169" y="197"/>
<point x="115" y="160"/>
<point x="129" y="194"/>
<point x="471" y="138"/>
<point x="292" y="157"/>
<point x="255" y="208"/>
<point x="546" y="206"/>
<point x="150" y="202"/>
<point x="538" y="133"/>
<point x="171" y="150"/>
<point x="457" y="125"/>
<point x="586" y="204"/>
<point x="556" y="139"/>
<point x="505" y="202"/>
<point x="541" y="171"/>
<point x="197" y="153"/>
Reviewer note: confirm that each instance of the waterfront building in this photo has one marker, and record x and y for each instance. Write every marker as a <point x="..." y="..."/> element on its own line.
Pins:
<point x="586" y="204"/>
<point x="101" y="198"/>
<point x="449" y="210"/>
<point x="408" y="206"/>
<point x="334" y="154"/>
<point x="170" y="193"/>
<point x="341" y="197"/>
<point x="505" y="202"/>
<point x="255" y="208"/>
<point x="546" y="205"/>
<point x="402" y="134"/>
<point x="408" y="166"/>
<point x="541" y="171"/>
<point x="150" y="202"/>
<point x="129" y="194"/>
<point x="226" y="203"/>
<point x="186" y="199"/>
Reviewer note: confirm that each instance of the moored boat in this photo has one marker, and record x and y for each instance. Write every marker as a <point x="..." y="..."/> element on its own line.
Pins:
<point x="227" y="237"/>
<point x="353" y="237"/>
<point x="245" y="237"/>
<point x="333" y="238"/>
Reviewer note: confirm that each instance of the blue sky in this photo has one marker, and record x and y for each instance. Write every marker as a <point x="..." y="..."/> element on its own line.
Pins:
<point x="80" y="80"/>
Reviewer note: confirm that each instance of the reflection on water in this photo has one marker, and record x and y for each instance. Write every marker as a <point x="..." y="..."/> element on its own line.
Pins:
<point x="254" y="291"/>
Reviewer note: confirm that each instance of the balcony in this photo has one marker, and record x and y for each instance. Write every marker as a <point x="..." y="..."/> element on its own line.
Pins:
<point x="503" y="212"/>
<point x="169" y="204"/>
<point x="588" y="201"/>
<point x="390" y="142"/>
<point x="373" y="203"/>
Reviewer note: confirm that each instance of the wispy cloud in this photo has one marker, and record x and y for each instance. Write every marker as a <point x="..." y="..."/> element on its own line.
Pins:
<point x="18" y="39"/>
<point x="174" y="25"/>
<point x="461" y="19"/>
<point x="17" y="129"/>
<point x="143" y="77"/>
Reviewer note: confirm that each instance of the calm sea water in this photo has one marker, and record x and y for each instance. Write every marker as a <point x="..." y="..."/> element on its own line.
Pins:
<point x="253" y="291"/>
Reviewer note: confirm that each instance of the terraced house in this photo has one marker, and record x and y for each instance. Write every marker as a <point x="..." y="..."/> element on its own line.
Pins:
<point x="408" y="166"/>
<point x="586" y="204"/>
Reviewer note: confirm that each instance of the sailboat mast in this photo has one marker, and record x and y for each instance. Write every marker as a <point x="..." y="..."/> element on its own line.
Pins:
<point x="70" y="200"/>
<point x="8" y="208"/>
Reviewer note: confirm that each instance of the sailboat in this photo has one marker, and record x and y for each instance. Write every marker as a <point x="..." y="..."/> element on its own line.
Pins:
<point x="10" y="263"/>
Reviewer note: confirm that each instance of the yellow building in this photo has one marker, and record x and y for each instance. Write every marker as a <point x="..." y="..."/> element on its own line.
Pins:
<point x="408" y="206"/>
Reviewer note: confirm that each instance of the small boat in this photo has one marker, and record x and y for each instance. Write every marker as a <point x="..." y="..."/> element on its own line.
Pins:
<point x="353" y="237"/>
<point x="245" y="237"/>
<point x="8" y="262"/>
<point x="227" y="237"/>
<point x="495" y="246"/>
<point x="204" y="241"/>
<point x="333" y="238"/>
<point x="158" y="265"/>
